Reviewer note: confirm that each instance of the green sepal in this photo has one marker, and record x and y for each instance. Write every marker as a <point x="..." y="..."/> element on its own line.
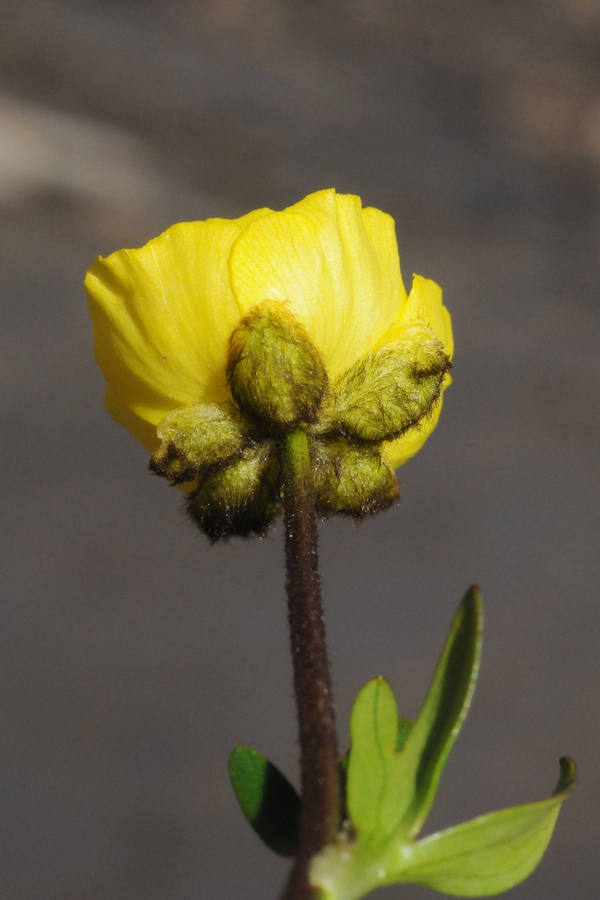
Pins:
<point x="241" y="497"/>
<point x="390" y="792"/>
<point x="194" y="438"/>
<point x="276" y="374"/>
<point x="351" y="480"/>
<point x="383" y="395"/>
<point x="267" y="799"/>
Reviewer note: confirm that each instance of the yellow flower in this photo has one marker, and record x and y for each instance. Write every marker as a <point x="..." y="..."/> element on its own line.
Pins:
<point x="163" y="315"/>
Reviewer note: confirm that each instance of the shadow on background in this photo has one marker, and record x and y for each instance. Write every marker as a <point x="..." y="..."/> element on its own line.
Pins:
<point x="133" y="657"/>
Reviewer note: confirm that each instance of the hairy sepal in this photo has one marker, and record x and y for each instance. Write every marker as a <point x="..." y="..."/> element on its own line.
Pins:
<point x="240" y="498"/>
<point x="195" y="438"/>
<point x="275" y="373"/>
<point x="392" y="390"/>
<point x="351" y="480"/>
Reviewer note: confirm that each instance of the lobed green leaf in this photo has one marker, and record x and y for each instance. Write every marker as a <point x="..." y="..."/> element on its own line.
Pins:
<point x="486" y="856"/>
<point x="393" y="771"/>
<point x="390" y="791"/>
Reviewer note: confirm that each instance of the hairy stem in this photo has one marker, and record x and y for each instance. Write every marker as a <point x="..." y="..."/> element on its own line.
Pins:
<point x="312" y="682"/>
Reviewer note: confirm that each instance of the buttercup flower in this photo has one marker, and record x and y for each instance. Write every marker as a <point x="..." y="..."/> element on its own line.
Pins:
<point x="192" y="330"/>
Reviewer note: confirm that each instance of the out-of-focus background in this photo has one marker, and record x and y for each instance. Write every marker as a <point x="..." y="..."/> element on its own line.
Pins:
<point x="132" y="656"/>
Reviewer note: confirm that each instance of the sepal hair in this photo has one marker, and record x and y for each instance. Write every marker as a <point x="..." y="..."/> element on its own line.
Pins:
<point x="241" y="498"/>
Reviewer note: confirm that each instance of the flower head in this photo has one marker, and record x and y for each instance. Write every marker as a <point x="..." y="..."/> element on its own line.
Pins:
<point x="177" y="321"/>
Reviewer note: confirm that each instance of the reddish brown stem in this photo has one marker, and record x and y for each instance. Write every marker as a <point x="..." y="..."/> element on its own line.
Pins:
<point x="319" y="760"/>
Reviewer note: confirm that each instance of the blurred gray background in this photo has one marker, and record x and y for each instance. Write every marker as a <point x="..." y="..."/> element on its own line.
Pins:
<point x="132" y="656"/>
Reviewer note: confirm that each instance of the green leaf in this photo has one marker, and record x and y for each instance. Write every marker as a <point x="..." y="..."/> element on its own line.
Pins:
<point x="486" y="856"/>
<point x="492" y="853"/>
<point x="393" y="772"/>
<point x="389" y="791"/>
<point x="444" y="711"/>
<point x="269" y="802"/>
<point x="403" y="729"/>
<point x="373" y="763"/>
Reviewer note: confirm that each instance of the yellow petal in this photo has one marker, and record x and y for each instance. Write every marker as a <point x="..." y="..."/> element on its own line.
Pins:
<point x="425" y="304"/>
<point x="381" y="229"/>
<point x="250" y="217"/>
<point x="162" y="318"/>
<point x="335" y="265"/>
<point x="139" y="427"/>
<point x="397" y="452"/>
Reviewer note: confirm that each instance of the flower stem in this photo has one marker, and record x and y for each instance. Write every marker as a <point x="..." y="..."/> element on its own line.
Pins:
<point x="312" y="682"/>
